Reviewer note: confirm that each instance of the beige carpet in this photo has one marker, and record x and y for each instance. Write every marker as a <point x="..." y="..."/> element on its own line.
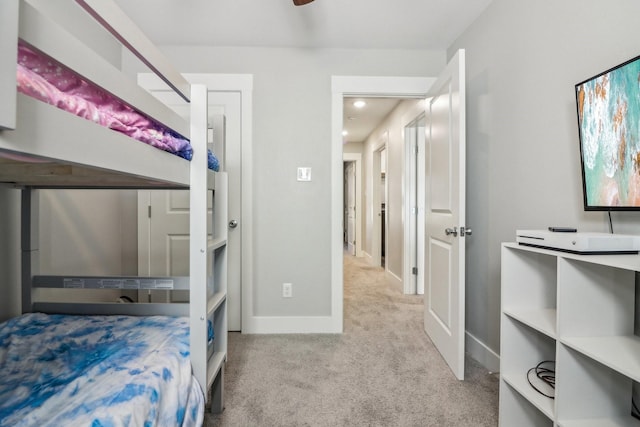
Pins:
<point x="382" y="371"/>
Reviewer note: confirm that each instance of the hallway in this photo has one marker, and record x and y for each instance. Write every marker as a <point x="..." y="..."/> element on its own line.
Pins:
<point x="382" y="371"/>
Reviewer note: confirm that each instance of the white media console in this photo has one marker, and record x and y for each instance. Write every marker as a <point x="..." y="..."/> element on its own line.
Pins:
<point x="576" y="310"/>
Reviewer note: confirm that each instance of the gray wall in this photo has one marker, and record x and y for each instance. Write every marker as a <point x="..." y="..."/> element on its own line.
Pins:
<point x="523" y="60"/>
<point x="291" y="128"/>
<point x="92" y="232"/>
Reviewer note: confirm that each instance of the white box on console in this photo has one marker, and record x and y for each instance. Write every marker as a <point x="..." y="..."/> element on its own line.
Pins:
<point x="580" y="242"/>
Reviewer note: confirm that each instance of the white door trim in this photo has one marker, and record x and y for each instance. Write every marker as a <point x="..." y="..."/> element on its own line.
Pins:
<point x="376" y="202"/>
<point x="410" y="208"/>
<point x="357" y="159"/>
<point x="343" y="86"/>
<point x="242" y="83"/>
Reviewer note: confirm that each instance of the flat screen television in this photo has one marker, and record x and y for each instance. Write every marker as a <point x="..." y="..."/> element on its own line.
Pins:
<point x="609" y="127"/>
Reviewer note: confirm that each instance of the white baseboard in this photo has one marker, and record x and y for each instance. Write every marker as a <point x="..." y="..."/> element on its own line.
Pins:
<point x="291" y="325"/>
<point x="394" y="280"/>
<point x="483" y="354"/>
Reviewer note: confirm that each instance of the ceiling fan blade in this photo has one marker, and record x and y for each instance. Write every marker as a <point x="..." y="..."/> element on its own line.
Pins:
<point x="301" y="2"/>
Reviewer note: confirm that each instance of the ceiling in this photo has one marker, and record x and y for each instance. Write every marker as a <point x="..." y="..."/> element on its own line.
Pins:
<point x="360" y="122"/>
<point x="358" y="24"/>
<point x="362" y="24"/>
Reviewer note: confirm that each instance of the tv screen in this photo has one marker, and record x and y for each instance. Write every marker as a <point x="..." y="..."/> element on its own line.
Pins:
<point x="609" y="126"/>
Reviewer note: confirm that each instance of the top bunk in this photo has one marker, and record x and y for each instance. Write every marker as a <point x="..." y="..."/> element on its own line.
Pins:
<point x="44" y="146"/>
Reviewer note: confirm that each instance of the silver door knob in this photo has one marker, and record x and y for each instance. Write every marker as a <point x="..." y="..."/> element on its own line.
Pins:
<point x="450" y="231"/>
<point x="233" y="223"/>
<point x="465" y="231"/>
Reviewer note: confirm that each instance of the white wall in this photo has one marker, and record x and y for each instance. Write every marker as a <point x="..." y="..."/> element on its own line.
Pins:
<point x="523" y="60"/>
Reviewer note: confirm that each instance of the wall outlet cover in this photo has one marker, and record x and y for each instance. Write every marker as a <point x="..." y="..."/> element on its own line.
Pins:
<point x="287" y="290"/>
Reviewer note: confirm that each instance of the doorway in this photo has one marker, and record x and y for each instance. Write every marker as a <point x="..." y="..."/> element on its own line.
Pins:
<point x="414" y="177"/>
<point x="230" y="97"/>
<point x="379" y="230"/>
<point x="355" y="161"/>
<point x="366" y="86"/>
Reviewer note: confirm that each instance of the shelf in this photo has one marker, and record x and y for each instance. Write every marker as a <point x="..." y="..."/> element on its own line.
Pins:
<point x="213" y="244"/>
<point x="518" y="381"/>
<point x="580" y="311"/>
<point x="602" y="422"/>
<point x="542" y="320"/>
<point x="215" y="301"/>
<point x="621" y="354"/>
<point x="625" y="262"/>
<point x="213" y="366"/>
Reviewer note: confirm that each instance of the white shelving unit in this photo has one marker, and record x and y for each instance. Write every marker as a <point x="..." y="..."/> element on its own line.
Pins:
<point x="576" y="310"/>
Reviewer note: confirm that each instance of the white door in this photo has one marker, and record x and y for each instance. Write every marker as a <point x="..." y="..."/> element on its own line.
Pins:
<point x="350" y="206"/>
<point x="414" y="177"/>
<point x="444" y="297"/>
<point x="378" y="200"/>
<point x="163" y="239"/>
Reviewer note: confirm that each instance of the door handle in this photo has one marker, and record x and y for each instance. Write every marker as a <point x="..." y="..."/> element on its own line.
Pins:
<point x="233" y="223"/>
<point x="465" y="231"/>
<point x="450" y="231"/>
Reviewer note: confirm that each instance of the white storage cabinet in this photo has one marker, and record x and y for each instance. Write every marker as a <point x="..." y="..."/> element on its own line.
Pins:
<point x="579" y="311"/>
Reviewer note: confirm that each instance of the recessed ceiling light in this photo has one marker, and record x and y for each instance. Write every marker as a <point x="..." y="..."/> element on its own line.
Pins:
<point x="345" y="133"/>
<point x="359" y="103"/>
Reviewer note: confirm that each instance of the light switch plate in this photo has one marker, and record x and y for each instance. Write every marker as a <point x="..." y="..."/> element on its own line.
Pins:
<point x="304" y="174"/>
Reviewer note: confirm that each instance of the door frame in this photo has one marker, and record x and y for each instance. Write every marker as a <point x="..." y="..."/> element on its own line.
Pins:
<point x="242" y="83"/>
<point x="376" y="202"/>
<point x="341" y="86"/>
<point x="356" y="158"/>
<point x="412" y="205"/>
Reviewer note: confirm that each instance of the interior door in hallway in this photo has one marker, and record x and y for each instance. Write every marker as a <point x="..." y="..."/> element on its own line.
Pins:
<point x="350" y="206"/>
<point x="445" y="229"/>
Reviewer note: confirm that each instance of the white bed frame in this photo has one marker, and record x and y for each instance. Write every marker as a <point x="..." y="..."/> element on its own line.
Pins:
<point x="44" y="147"/>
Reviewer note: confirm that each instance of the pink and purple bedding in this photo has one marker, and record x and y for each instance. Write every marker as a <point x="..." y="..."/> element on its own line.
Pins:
<point x="43" y="78"/>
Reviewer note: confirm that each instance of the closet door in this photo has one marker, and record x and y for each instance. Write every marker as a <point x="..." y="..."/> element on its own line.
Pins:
<point x="163" y="238"/>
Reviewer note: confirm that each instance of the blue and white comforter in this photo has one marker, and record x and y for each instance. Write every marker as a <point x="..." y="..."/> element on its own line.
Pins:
<point x="58" y="370"/>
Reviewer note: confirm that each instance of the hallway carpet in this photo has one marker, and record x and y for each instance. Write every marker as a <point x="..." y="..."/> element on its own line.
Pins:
<point x="382" y="371"/>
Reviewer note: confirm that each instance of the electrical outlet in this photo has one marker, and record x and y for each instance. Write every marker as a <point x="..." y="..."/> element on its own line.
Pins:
<point x="287" y="290"/>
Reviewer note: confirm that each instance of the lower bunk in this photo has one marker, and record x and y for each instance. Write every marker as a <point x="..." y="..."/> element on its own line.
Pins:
<point x="63" y="370"/>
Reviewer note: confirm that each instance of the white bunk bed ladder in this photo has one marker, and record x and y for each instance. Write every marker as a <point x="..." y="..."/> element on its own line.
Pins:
<point x="207" y="260"/>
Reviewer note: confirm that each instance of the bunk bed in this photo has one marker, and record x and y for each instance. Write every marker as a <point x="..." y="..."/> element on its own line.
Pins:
<point x="64" y="352"/>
